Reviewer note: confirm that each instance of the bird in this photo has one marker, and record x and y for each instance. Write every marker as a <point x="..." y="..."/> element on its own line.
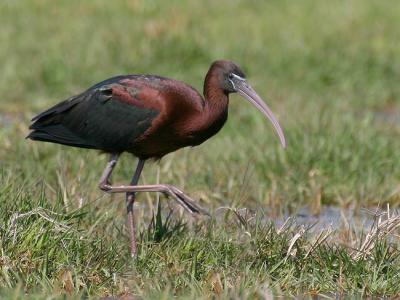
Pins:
<point x="148" y="116"/>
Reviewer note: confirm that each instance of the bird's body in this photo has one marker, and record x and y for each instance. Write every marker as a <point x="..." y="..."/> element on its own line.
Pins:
<point x="148" y="116"/>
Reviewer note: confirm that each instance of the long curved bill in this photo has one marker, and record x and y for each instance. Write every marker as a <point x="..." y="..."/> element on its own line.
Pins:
<point x="246" y="91"/>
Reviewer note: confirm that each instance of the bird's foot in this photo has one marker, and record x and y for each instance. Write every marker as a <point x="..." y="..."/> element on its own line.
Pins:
<point x="184" y="200"/>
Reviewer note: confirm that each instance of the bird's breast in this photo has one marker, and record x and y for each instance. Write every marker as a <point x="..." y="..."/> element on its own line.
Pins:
<point x="206" y="127"/>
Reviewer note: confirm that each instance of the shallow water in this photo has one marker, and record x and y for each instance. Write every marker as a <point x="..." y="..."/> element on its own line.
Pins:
<point x="332" y="217"/>
<point x="389" y="117"/>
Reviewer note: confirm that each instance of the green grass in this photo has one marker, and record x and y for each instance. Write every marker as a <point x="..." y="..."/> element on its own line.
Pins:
<point x="330" y="71"/>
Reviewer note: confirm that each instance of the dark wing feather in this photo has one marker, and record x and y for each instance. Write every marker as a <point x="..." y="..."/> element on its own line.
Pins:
<point x="98" y="118"/>
<point x="60" y="134"/>
<point x="58" y="108"/>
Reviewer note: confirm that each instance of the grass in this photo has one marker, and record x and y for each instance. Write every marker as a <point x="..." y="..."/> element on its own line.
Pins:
<point x="330" y="72"/>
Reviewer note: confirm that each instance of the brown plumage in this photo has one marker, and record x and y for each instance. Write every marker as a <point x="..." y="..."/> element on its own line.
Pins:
<point x="148" y="116"/>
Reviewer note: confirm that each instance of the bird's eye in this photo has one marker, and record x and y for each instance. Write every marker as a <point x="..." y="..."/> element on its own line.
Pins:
<point x="230" y="76"/>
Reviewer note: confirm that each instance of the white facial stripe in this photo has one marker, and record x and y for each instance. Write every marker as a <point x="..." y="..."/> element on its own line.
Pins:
<point x="237" y="77"/>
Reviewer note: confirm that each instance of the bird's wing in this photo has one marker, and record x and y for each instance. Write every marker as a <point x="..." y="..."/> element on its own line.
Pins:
<point x="109" y="116"/>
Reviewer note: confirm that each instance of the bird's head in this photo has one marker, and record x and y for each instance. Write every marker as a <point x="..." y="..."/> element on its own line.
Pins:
<point x="232" y="80"/>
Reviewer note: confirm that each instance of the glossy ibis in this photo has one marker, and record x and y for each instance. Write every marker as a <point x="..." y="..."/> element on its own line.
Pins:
<point x="148" y="116"/>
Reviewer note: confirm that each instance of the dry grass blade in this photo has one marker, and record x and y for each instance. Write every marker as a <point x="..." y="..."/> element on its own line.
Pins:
<point x="379" y="229"/>
<point x="319" y="240"/>
<point x="43" y="213"/>
<point x="298" y="235"/>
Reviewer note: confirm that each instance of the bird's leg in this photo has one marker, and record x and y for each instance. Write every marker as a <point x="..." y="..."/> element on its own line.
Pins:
<point x="104" y="183"/>
<point x="130" y="200"/>
<point x="188" y="203"/>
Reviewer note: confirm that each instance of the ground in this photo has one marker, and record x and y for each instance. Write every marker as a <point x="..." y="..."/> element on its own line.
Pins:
<point x="329" y="70"/>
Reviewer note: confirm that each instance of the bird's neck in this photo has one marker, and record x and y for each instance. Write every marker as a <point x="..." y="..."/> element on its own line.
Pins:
<point x="213" y="113"/>
<point x="216" y="100"/>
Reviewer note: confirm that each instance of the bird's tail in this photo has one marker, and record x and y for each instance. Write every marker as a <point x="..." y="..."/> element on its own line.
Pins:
<point x="56" y="133"/>
<point x="48" y="127"/>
